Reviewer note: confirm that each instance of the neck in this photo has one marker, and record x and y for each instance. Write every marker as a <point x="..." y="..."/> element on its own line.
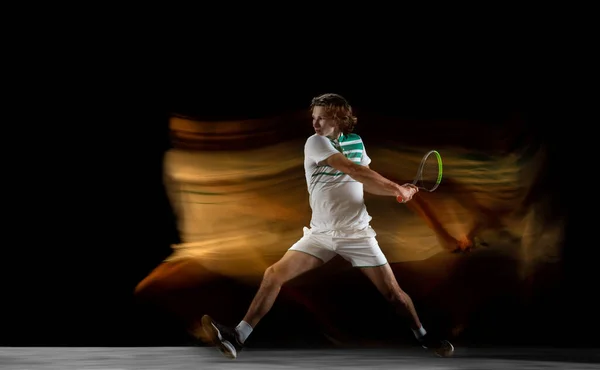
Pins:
<point x="335" y="134"/>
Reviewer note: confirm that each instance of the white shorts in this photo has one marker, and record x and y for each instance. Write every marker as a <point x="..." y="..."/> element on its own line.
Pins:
<point x="359" y="251"/>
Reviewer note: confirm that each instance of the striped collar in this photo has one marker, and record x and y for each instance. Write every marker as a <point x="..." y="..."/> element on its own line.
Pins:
<point x="336" y="142"/>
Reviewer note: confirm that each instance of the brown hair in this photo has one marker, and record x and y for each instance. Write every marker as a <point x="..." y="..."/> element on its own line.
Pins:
<point x="339" y="109"/>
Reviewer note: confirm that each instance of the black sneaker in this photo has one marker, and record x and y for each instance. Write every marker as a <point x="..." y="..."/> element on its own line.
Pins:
<point x="224" y="338"/>
<point x="440" y="347"/>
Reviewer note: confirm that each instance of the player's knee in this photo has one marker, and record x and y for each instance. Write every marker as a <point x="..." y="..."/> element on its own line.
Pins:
<point x="396" y="297"/>
<point x="273" y="276"/>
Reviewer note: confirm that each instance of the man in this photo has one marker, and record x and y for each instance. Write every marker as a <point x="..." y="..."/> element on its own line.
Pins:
<point x="337" y="172"/>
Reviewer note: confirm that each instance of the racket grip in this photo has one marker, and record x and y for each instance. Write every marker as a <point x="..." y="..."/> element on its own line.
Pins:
<point x="399" y="199"/>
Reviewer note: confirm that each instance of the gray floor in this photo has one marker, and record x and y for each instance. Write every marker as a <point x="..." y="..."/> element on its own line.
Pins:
<point x="208" y="358"/>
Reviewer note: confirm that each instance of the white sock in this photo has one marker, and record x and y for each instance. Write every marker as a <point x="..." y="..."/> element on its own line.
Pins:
<point x="243" y="331"/>
<point x="420" y="332"/>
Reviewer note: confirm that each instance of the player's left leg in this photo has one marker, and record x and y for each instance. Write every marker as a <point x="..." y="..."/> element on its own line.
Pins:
<point x="366" y="254"/>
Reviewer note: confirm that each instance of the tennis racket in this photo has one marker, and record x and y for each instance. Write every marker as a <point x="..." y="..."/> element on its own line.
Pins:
<point x="429" y="175"/>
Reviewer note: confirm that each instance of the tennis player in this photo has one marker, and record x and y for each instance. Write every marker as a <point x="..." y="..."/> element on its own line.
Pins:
<point x="337" y="173"/>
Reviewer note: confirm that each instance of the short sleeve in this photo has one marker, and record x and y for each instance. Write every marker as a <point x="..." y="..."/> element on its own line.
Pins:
<point x="318" y="148"/>
<point x="365" y="160"/>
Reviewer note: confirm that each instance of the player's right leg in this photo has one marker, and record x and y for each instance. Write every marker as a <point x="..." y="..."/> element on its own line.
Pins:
<point x="303" y="256"/>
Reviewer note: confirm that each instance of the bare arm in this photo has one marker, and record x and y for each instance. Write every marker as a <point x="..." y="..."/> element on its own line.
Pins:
<point x="372" y="181"/>
<point x="374" y="189"/>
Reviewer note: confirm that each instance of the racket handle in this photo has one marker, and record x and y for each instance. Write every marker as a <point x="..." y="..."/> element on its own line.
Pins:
<point x="399" y="199"/>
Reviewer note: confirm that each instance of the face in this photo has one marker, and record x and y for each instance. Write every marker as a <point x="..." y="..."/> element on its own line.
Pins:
<point x="323" y="124"/>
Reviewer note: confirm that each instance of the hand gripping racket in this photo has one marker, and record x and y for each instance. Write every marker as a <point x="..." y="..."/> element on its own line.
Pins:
<point x="429" y="175"/>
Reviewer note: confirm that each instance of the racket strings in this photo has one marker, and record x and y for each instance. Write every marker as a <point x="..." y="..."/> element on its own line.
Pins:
<point x="429" y="173"/>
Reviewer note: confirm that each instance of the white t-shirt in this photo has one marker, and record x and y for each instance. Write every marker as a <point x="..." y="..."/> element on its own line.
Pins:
<point x="336" y="200"/>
